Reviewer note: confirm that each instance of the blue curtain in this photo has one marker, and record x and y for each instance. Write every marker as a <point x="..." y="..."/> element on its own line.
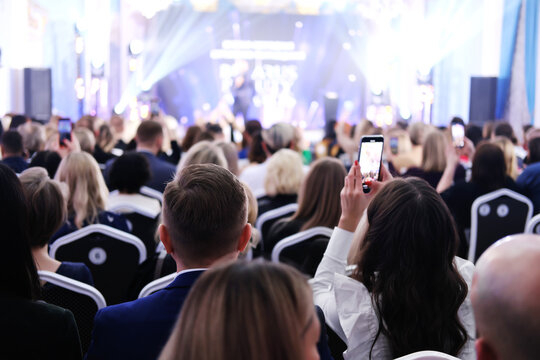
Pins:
<point x="508" y="45"/>
<point x="531" y="32"/>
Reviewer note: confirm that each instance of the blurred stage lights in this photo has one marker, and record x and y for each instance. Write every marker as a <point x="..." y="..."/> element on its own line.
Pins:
<point x="136" y="47"/>
<point x="352" y="78"/>
<point x="299" y="25"/>
<point x="346" y="46"/>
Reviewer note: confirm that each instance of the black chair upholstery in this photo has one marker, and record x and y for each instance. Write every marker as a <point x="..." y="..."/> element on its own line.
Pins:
<point x="112" y="256"/>
<point x="495" y="215"/>
<point x="144" y="228"/>
<point x="81" y="299"/>
<point x="266" y="220"/>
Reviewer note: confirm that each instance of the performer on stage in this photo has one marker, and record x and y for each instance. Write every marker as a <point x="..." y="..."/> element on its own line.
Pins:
<point x="243" y="90"/>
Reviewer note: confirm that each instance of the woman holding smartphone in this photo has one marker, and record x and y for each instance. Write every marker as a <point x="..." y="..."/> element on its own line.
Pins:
<point x="408" y="292"/>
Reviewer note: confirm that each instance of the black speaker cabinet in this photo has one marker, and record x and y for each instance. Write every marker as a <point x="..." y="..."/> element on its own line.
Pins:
<point x="38" y="94"/>
<point x="483" y="99"/>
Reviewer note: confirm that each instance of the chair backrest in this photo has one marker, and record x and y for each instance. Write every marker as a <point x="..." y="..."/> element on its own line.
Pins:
<point x="427" y="355"/>
<point x="303" y="250"/>
<point x="265" y="220"/>
<point x="81" y="299"/>
<point x="532" y="226"/>
<point x="112" y="256"/>
<point x="156" y="285"/>
<point x="144" y="223"/>
<point x="495" y="215"/>
<point x="145" y="190"/>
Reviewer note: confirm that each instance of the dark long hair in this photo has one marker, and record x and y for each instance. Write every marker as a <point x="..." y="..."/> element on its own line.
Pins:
<point x="18" y="275"/>
<point x="406" y="261"/>
<point x="489" y="167"/>
<point x="318" y="202"/>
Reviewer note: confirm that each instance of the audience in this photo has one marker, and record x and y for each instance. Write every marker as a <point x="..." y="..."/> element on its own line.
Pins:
<point x="252" y="127"/>
<point x="394" y="302"/>
<point x="282" y="182"/>
<point x="204" y="223"/>
<point x="105" y="142"/>
<point x="33" y="136"/>
<point x="529" y="180"/>
<point x="88" y="195"/>
<point x="13" y="151"/>
<point x="504" y="296"/>
<point x="86" y="139"/>
<point x="46" y="213"/>
<point x="247" y="311"/>
<point x="509" y="155"/>
<point x="191" y="135"/>
<point x="48" y="160"/>
<point x="318" y="203"/>
<point x="203" y="152"/>
<point x="32" y="329"/>
<point x="231" y="155"/>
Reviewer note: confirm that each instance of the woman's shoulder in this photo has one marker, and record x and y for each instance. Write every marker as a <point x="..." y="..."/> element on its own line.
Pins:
<point x="76" y="271"/>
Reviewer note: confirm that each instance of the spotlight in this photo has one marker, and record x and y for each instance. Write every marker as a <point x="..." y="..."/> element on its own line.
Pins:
<point x="299" y="25"/>
<point x="346" y="46"/>
<point x="352" y="78"/>
<point x="404" y="113"/>
<point x="79" y="45"/>
<point x="136" y="47"/>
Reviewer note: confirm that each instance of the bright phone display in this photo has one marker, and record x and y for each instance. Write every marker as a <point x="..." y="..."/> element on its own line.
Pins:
<point x="369" y="157"/>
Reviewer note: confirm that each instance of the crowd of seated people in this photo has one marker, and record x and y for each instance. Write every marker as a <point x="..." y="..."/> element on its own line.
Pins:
<point x="377" y="288"/>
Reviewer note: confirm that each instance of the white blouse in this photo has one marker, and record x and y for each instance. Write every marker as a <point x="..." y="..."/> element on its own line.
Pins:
<point x="348" y="309"/>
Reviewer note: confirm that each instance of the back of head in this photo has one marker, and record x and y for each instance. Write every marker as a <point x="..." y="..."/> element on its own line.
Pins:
<point x="534" y="151"/>
<point x="148" y="132"/>
<point x="505" y="295"/>
<point x="280" y="135"/>
<point x="489" y="167"/>
<point x="254" y="310"/>
<point x="17" y="120"/>
<point x="509" y="152"/>
<point x="105" y="139"/>
<point x="318" y="202"/>
<point x="46" y="159"/>
<point x="284" y="173"/>
<point x="253" y="126"/>
<point x="87" y="190"/>
<point x="130" y="172"/>
<point x="434" y="151"/>
<point x="204" y="210"/>
<point x="474" y="133"/>
<point x="86" y="139"/>
<point x="405" y="256"/>
<point x="18" y="275"/>
<point x="256" y="152"/>
<point x="231" y="156"/>
<point x="12" y="143"/>
<point x="204" y="152"/>
<point x="191" y="135"/>
<point x="417" y="132"/>
<point x="46" y="205"/>
<point x="506" y="130"/>
<point x="33" y="136"/>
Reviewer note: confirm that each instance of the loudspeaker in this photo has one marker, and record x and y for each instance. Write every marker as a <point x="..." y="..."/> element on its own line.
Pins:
<point x="38" y="94"/>
<point x="483" y="99"/>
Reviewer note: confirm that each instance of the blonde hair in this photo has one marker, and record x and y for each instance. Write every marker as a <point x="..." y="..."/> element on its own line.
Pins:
<point x="86" y="138"/>
<point x="87" y="189"/>
<point x="434" y="151"/>
<point x="33" y="136"/>
<point x="417" y="132"/>
<point x="203" y="152"/>
<point x="231" y="155"/>
<point x="232" y="310"/>
<point x="509" y="152"/>
<point x="404" y="140"/>
<point x="284" y="173"/>
<point x="251" y="218"/>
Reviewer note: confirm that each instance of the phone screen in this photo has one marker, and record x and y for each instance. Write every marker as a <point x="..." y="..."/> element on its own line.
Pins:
<point x="458" y="135"/>
<point x="394" y="145"/>
<point x="370" y="156"/>
<point x="64" y="128"/>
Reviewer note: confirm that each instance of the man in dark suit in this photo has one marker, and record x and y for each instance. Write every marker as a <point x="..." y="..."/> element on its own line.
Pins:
<point x="204" y="223"/>
<point x="13" y="151"/>
<point x="149" y="140"/>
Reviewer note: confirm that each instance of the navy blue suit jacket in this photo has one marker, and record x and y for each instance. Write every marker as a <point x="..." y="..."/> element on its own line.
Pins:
<point x="139" y="329"/>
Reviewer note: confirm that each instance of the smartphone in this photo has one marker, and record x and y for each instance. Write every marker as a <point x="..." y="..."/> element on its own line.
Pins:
<point x="369" y="158"/>
<point x="64" y="128"/>
<point x="458" y="135"/>
<point x="394" y="145"/>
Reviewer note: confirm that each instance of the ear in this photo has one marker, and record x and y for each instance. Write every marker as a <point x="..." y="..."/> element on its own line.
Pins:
<point x="483" y="350"/>
<point x="244" y="238"/>
<point x="165" y="238"/>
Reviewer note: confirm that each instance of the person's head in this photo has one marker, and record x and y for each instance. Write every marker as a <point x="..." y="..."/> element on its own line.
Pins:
<point x="504" y="296"/>
<point x="117" y="124"/>
<point x="529" y="135"/>
<point x="12" y="144"/>
<point x="256" y="152"/>
<point x="86" y="138"/>
<point x="87" y="190"/>
<point x="251" y="128"/>
<point x="509" y="152"/>
<point x="403" y="258"/>
<point x="231" y="156"/>
<point x="280" y="135"/>
<point x="215" y="130"/>
<point x="504" y="129"/>
<point x="33" y="137"/>
<point x="284" y="173"/>
<point x="487" y="129"/>
<point x="87" y="121"/>
<point x="434" y="151"/>
<point x="473" y="133"/>
<point x="204" y="152"/>
<point x="318" y="202"/>
<point x="105" y="138"/>
<point x="18" y="120"/>
<point x="149" y="136"/>
<point x="129" y="172"/>
<point x="46" y="205"/>
<point x="204" y="216"/>
<point x="534" y="151"/>
<point x="417" y="132"/>
<point x="254" y="310"/>
<point x="48" y="160"/>
<point x="488" y="166"/>
<point x="18" y="275"/>
<point x="191" y="135"/>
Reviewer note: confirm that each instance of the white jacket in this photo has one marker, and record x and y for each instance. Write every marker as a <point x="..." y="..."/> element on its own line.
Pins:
<point x="348" y="309"/>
